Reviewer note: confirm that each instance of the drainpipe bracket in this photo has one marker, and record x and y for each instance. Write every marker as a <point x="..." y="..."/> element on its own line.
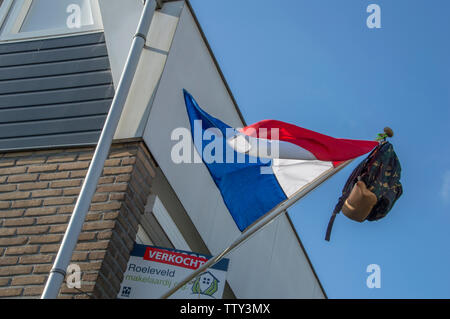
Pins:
<point x="159" y="3"/>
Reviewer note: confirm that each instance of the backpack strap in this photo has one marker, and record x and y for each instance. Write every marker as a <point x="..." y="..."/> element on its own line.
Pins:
<point x="355" y="176"/>
<point x="336" y="211"/>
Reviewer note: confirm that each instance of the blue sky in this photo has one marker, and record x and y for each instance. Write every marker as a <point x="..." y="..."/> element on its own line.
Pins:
<point x="317" y="65"/>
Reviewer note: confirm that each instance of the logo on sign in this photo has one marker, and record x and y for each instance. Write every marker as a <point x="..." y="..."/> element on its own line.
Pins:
<point x="126" y="291"/>
<point x="205" y="284"/>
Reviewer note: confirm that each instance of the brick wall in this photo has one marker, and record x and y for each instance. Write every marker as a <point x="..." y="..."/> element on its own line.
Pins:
<point x="38" y="191"/>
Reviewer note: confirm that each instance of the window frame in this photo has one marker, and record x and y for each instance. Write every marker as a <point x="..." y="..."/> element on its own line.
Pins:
<point x="167" y="224"/>
<point x="18" y="13"/>
<point x="142" y="236"/>
<point x="4" y="9"/>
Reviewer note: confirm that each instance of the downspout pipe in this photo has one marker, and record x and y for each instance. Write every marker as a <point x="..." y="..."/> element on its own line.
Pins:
<point x="58" y="272"/>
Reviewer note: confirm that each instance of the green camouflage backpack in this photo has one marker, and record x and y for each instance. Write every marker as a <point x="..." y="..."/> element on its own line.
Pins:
<point x="380" y="171"/>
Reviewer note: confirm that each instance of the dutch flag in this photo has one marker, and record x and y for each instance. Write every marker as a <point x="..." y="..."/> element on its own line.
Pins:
<point x="259" y="166"/>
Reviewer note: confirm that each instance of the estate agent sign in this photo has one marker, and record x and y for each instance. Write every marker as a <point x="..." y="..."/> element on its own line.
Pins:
<point x="152" y="271"/>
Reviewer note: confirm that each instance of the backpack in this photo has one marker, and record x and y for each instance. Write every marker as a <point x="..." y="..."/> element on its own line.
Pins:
<point x="380" y="171"/>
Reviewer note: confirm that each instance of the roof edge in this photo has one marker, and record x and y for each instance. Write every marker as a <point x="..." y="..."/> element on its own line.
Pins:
<point x="306" y="255"/>
<point x="214" y="60"/>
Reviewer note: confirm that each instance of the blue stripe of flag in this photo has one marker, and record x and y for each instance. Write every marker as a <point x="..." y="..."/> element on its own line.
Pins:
<point x="247" y="193"/>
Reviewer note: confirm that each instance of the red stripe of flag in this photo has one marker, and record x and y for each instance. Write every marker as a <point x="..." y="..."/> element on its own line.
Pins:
<point x="324" y="147"/>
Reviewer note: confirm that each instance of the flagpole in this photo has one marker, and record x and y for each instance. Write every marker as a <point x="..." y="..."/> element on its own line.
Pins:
<point x="58" y="271"/>
<point x="270" y="216"/>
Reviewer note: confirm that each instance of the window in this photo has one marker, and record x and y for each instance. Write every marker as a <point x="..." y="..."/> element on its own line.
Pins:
<point x="5" y="5"/>
<point x="142" y="237"/>
<point x="39" y="18"/>
<point x="69" y="14"/>
<point x="158" y="228"/>
<point x="168" y="225"/>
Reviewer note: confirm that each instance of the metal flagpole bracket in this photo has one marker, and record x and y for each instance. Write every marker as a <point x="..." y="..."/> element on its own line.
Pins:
<point x="60" y="271"/>
<point x="140" y="35"/>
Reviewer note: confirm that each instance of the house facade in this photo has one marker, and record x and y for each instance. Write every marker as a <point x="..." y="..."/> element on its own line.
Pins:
<point x="60" y="64"/>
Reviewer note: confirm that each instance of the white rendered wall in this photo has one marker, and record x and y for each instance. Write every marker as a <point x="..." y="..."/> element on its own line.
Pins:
<point x="120" y="19"/>
<point x="272" y="263"/>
